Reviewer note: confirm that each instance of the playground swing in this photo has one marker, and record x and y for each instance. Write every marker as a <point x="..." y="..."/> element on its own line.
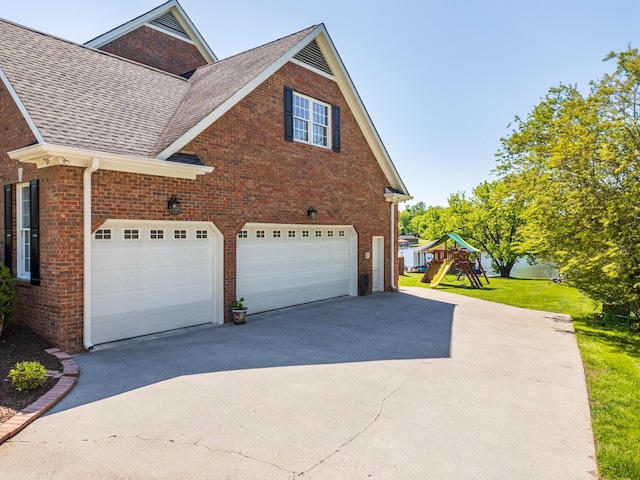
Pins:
<point x="462" y="256"/>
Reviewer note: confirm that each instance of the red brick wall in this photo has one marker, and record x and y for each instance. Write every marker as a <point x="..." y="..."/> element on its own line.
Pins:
<point x="156" y="49"/>
<point x="54" y="308"/>
<point x="258" y="177"/>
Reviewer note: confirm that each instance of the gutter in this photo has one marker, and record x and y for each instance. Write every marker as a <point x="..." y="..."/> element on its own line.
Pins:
<point x="86" y="213"/>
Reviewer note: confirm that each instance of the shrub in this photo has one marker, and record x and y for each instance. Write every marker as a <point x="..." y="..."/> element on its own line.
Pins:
<point x="28" y="375"/>
<point x="7" y="296"/>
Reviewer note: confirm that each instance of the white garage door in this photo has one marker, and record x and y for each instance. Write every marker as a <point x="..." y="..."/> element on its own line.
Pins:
<point x="152" y="277"/>
<point x="283" y="265"/>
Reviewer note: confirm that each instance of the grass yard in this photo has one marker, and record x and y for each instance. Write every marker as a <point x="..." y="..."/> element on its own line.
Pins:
<point x="610" y="354"/>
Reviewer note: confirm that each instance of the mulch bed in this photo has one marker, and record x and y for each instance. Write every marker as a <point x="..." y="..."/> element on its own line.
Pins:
<point x="18" y="344"/>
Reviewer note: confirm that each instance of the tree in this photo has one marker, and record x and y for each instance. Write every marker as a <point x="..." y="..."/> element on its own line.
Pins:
<point x="492" y="219"/>
<point x="430" y="225"/>
<point x="406" y="217"/>
<point x="576" y="160"/>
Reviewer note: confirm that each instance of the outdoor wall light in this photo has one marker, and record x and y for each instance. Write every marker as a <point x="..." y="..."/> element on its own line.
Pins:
<point x="312" y="213"/>
<point x="173" y="205"/>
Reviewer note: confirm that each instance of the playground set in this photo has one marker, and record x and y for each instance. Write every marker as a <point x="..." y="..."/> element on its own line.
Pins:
<point x="451" y="251"/>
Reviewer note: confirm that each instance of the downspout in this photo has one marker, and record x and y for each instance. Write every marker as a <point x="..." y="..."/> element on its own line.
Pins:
<point x="86" y="190"/>
<point x="393" y="248"/>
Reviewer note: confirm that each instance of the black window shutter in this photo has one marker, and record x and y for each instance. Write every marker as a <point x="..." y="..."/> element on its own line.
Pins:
<point x="336" y="129"/>
<point x="288" y="114"/>
<point x="8" y="227"/>
<point x="34" y="233"/>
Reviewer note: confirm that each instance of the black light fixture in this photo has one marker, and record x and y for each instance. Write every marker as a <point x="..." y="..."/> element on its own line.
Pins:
<point x="173" y="205"/>
<point x="312" y="213"/>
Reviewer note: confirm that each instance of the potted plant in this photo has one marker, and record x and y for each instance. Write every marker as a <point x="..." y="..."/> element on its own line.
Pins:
<point x="239" y="311"/>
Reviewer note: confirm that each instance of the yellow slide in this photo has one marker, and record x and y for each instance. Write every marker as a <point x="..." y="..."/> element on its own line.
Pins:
<point x="446" y="265"/>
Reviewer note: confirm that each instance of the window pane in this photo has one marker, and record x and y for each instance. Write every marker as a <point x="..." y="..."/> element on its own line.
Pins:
<point x="26" y="207"/>
<point x="26" y="258"/>
<point x="319" y="135"/>
<point x="300" y="107"/>
<point x="320" y="114"/>
<point x="300" y="130"/>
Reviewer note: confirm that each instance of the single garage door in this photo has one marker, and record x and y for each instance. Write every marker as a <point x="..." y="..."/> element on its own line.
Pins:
<point x="149" y="277"/>
<point x="283" y="265"/>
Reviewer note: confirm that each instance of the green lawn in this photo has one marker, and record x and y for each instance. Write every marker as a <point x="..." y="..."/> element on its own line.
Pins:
<point x="610" y="354"/>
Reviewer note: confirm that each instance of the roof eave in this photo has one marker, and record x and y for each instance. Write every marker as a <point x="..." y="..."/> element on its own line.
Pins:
<point x="23" y="109"/>
<point x="45" y="155"/>
<point x="358" y="109"/>
<point x="396" y="197"/>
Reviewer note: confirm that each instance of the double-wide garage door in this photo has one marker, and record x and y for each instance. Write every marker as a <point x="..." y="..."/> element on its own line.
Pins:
<point x="284" y="265"/>
<point x="149" y="277"/>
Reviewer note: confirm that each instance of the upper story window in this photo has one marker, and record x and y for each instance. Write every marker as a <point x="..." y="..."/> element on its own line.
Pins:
<point x="311" y="121"/>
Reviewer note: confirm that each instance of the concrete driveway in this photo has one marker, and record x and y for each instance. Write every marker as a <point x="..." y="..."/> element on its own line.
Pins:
<point x="420" y="384"/>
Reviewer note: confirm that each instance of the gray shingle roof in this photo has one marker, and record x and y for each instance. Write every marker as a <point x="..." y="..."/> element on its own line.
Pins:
<point x="213" y="84"/>
<point x="81" y="97"/>
<point x="85" y="98"/>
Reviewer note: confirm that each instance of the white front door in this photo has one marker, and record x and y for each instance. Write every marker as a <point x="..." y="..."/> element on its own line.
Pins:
<point x="149" y="277"/>
<point x="284" y="265"/>
<point x="377" y="264"/>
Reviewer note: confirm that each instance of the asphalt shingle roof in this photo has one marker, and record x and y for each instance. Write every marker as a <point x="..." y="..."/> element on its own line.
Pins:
<point x="213" y="84"/>
<point x="85" y="98"/>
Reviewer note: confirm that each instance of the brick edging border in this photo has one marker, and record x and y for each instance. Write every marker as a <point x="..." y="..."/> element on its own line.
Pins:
<point x="65" y="383"/>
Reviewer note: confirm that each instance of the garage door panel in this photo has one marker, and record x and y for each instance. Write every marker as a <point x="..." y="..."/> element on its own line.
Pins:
<point x="150" y="285"/>
<point x="277" y="272"/>
<point x="279" y="298"/>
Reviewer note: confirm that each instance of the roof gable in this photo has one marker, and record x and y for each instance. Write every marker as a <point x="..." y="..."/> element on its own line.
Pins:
<point x="169" y="18"/>
<point x="217" y="88"/>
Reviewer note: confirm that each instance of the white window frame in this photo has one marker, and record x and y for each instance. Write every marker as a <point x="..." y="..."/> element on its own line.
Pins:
<point x="305" y="121"/>
<point x="23" y="192"/>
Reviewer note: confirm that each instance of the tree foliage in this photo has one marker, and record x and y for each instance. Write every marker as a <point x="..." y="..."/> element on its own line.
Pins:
<point x="492" y="218"/>
<point x="575" y="159"/>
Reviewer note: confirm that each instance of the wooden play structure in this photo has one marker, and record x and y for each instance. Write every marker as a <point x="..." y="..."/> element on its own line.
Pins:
<point x="451" y="251"/>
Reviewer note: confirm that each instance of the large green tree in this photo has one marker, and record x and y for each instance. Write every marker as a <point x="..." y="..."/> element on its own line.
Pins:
<point x="492" y="218"/>
<point x="575" y="158"/>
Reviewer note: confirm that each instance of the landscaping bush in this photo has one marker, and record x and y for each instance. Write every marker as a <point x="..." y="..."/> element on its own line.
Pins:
<point x="7" y="296"/>
<point x="28" y="375"/>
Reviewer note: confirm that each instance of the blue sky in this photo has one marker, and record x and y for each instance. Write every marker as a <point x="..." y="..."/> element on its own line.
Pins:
<point x="440" y="80"/>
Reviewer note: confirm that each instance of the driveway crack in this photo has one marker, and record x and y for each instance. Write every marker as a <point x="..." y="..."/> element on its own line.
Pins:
<point x="210" y="449"/>
<point x="369" y="425"/>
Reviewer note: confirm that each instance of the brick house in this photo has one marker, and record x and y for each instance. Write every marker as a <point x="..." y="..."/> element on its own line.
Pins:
<point x="147" y="183"/>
